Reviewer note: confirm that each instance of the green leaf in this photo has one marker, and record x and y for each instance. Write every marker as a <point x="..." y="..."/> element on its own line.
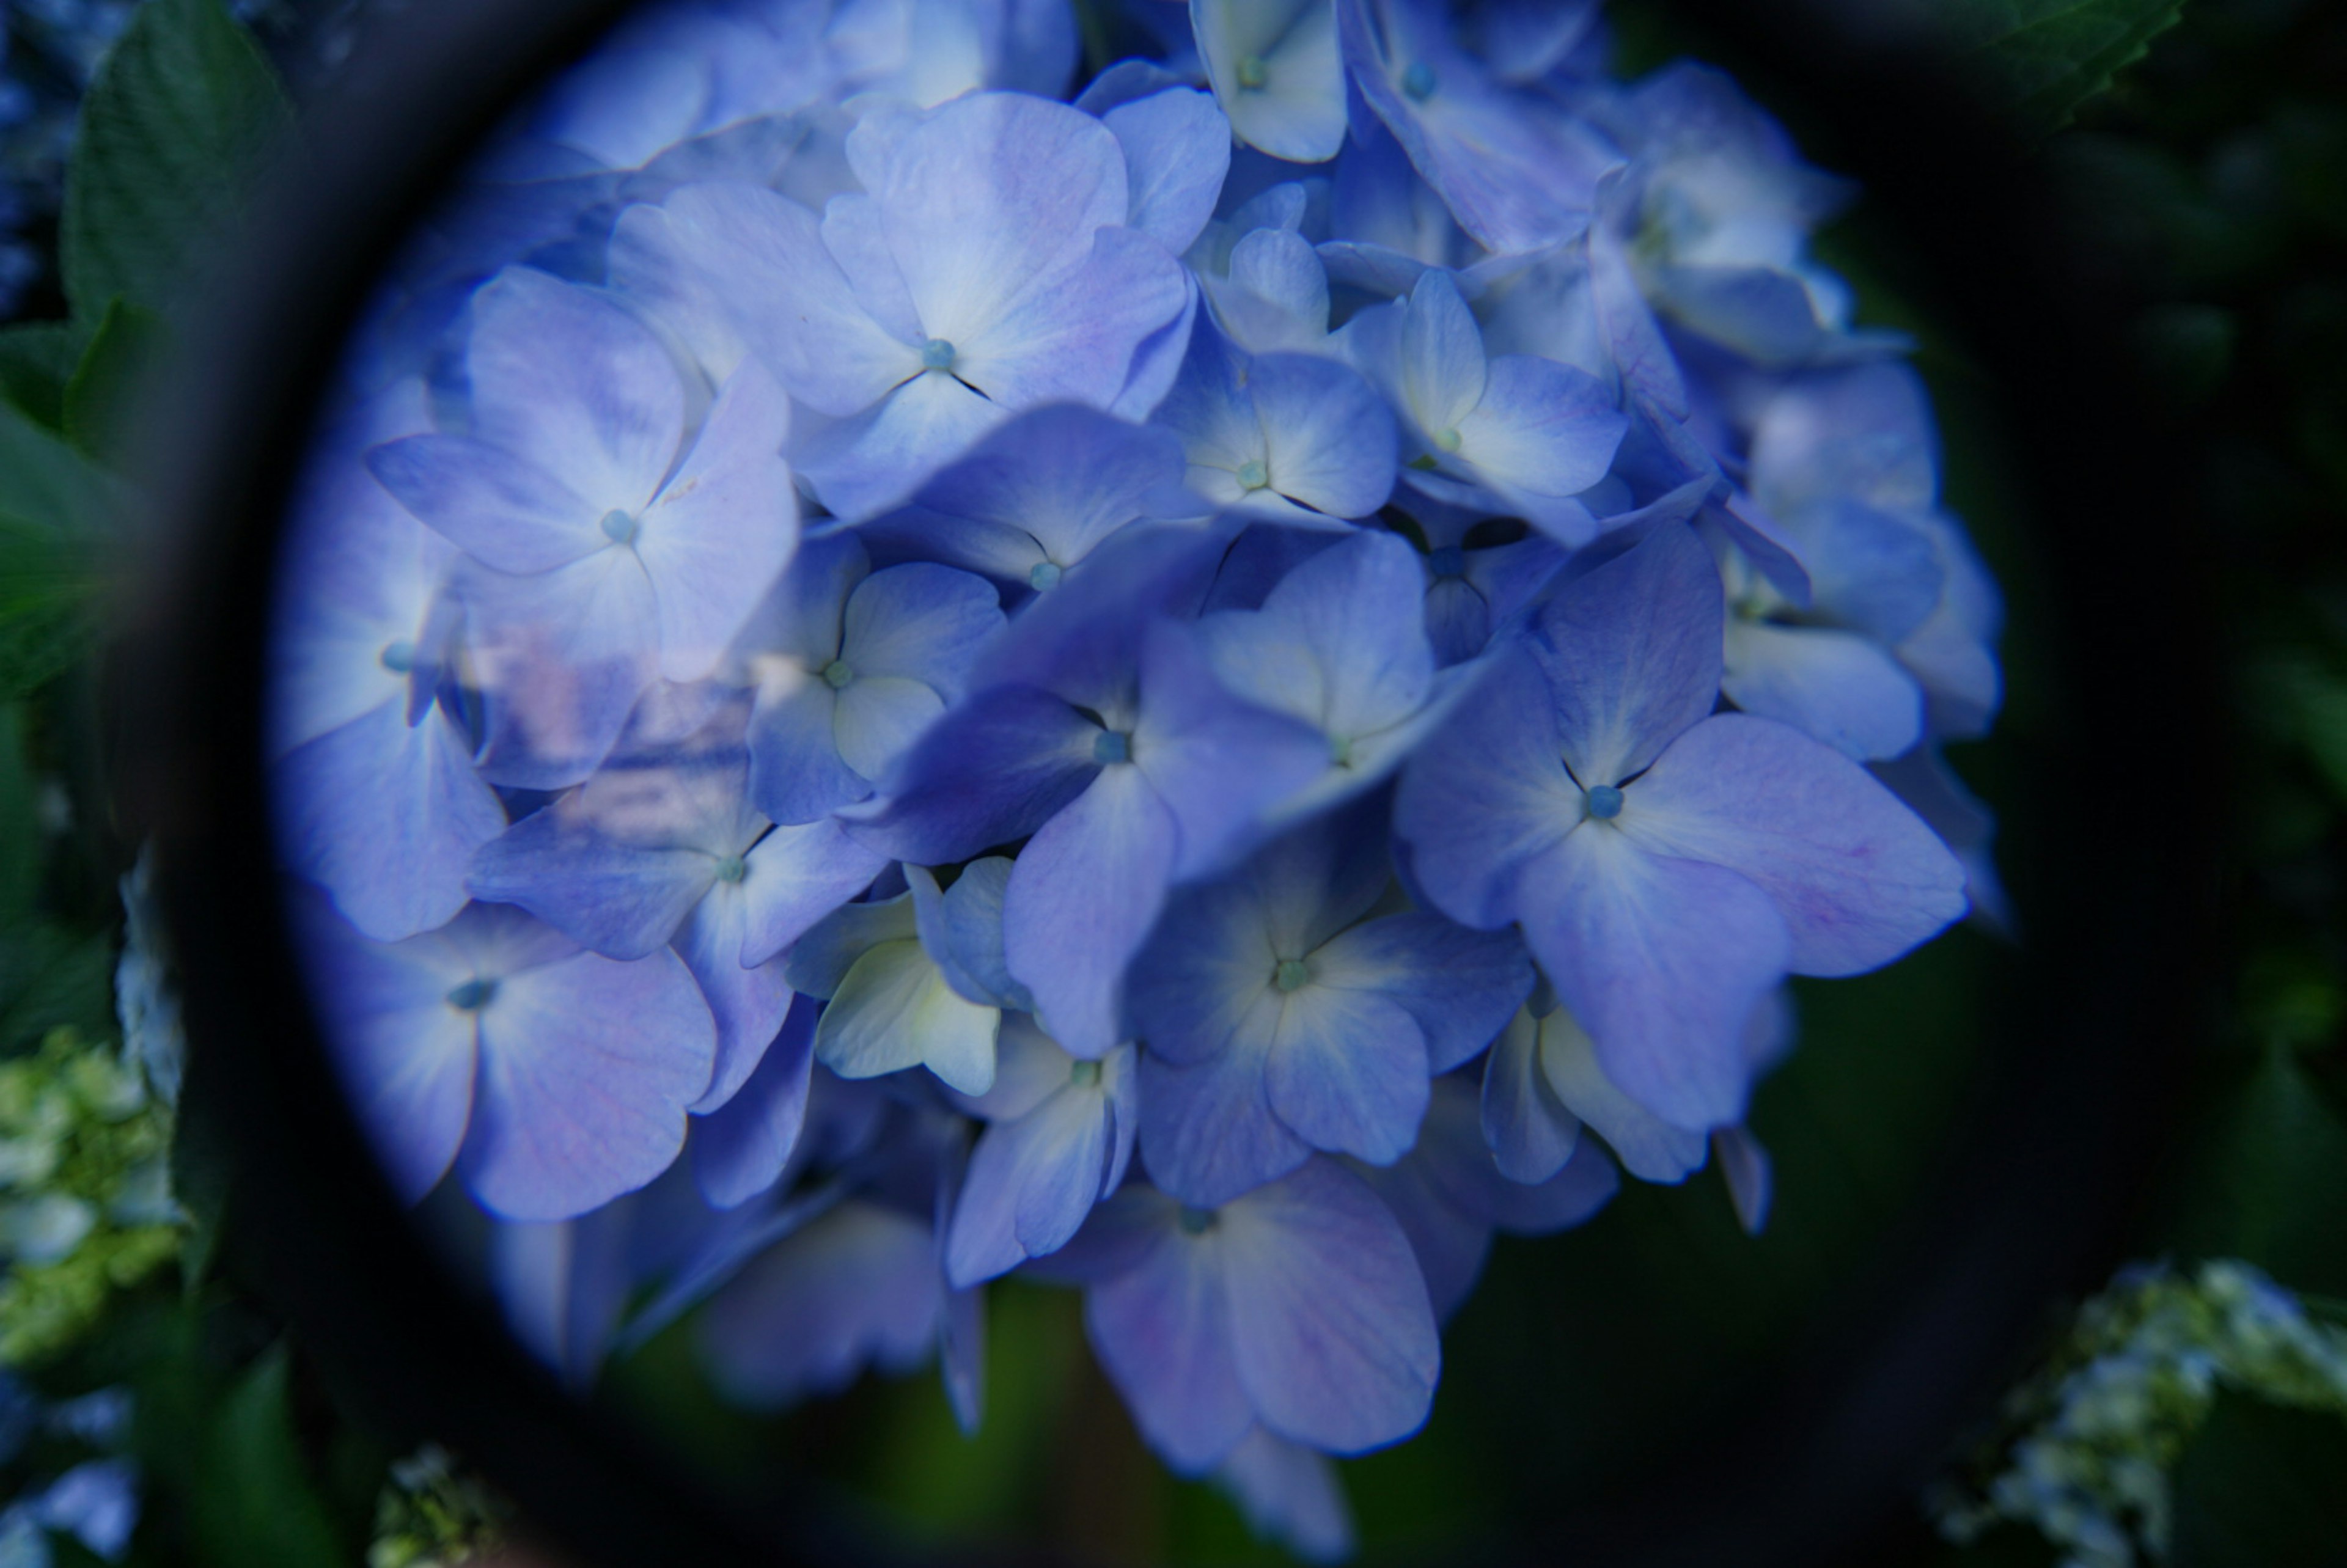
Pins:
<point x="2046" y="58"/>
<point x="20" y="826"/>
<point x="100" y="392"/>
<point x="51" y="978"/>
<point x="254" y="1504"/>
<point x="2263" y="1487"/>
<point x="55" y="511"/>
<point x="2270" y="1183"/>
<point x="169" y="137"/>
<point x="36" y="360"/>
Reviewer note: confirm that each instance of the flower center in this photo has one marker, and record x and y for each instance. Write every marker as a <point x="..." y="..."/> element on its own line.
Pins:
<point x="1451" y="560"/>
<point x="399" y="658"/>
<point x="1448" y="438"/>
<point x="1291" y="975"/>
<point x="1084" y="1074"/>
<point x="837" y="674"/>
<point x="732" y="869"/>
<point x="1253" y="73"/>
<point x="1044" y="576"/>
<point x="1112" y="746"/>
<point x="1418" y="82"/>
<point x="937" y="353"/>
<point x="1196" y="1222"/>
<point x="1340" y="750"/>
<point x="620" y="527"/>
<point x="472" y="995"/>
<point x="1604" y="802"/>
<point x="1253" y="474"/>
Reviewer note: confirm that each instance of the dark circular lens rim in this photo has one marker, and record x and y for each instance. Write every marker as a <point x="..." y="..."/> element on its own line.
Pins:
<point x="2117" y="958"/>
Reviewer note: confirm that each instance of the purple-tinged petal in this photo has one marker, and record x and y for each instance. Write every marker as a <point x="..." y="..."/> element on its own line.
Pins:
<point x="1631" y="650"/>
<point x="819" y="961"/>
<point x="802" y="317"/>
<point x="1662" y="959"/>
<point x="961" y="929"/>
<point x="622" y="901"/>
<point x="1461" y="986"/>
<point x="1076" y="337"/>
<point x="570" y="382"/>
<point x="1858" y="877"/>
<point x="1177" y="151"/>
<point x="1864" y="433"/>
<point x="1871" y="569"/>
<point x="1933" y="791"/>
<point x="723" y="529"/>
<point x="872" y="462"/>
<point x="857" y="1285"/>
<point x="749" y="1004"/>
<point x="405" y="1057"/>
<point x="1651" y="1148"/>
<point x="1773" y="552"/>
<point x="503" y="510"/>
<point x="1833" y="686"/>
<point x="587" y="1066"/>
<point x="1531" y="1133"/>
<point x="1291" y="1495"/>
<point x="1082" y="896"/>
<point x="878" y="717"/>
<point x="1021" y="185"/>
<point x="1161" y="1328"/>
<point x="922" y="622"/>
<point x="795" y="876"/>
<point x="1331" y="1328"/>
<point x="1488" y="796"/>
<point x="1346" y="1071"/>
<point x="1207" y="1131"/>
<point x="1048" y="486"/>
<point x="1032" y="1179"/>
<point x="796" y="775"/>
<point x="739" y="1149"/>
<point x="1329" y="437"/>
<point x="385" y="815"/>
<point x="1217" y="763"/>
<point x="994" y="769"/>
<point x="562" y="658"/>
<point x="1542" y="429"/>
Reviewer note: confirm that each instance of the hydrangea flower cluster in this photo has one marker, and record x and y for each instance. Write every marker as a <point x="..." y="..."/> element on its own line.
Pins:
<point x="906" y="663"/>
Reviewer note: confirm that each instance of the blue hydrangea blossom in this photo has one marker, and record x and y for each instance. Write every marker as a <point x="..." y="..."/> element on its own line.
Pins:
<point x="1217" y="680"/>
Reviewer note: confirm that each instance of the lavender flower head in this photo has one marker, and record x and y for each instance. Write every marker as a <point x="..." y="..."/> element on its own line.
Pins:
<point x="1210" y="673"/>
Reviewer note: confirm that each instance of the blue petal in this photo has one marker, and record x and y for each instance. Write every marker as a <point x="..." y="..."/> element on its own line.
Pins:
<point x="795" y="876"/>
<point x="568" y="652"/>
<point x="740" y="1149"/>
<point x="406" y="1058"/>
<point x="921" y="622"/>
<point x="994" y="769"/>
<point x="962" y="929"/>
<point x="1487" y="795"/>
<point x="1291" y="1495"/>
<point x="565" y="379"/>
<point x="1632" y="650"/>
<point x="1033" y="1179"/>
<point x="1348" y="1073"/>
<point x="1048" y="486"/>
<point x="1745" y="1164"/>
<point x="1531" y="1133"/>
<point x="1461" y="985"/>
<point x="1218" y="764"/>
<point x="1329" y="437"/>
<point x="385" y="815"/>
<point x="587" y="1066"/>
<point x="796" y="775"/>
<point x="1207" y="1131"/>
<point x="501" y="509"/>
<point x="1331" y="1328"/>
<point x="1177" y="148"/>
<point x="1833" y="686"/>
<point x="1652" y="1149"/>
<point x="1160" y="1330"/>
<point x="748" y="1003"/>
<point x="1661" y="959"/>
<point x="1082" y="898"/>
<point x="1856" y="876"/>
<point x="857" y="1286"/>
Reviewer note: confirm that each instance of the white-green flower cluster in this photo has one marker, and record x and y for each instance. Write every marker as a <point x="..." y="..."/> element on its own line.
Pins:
<point x="2102" y="1426"/>
<point x="432" y="1514"/>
